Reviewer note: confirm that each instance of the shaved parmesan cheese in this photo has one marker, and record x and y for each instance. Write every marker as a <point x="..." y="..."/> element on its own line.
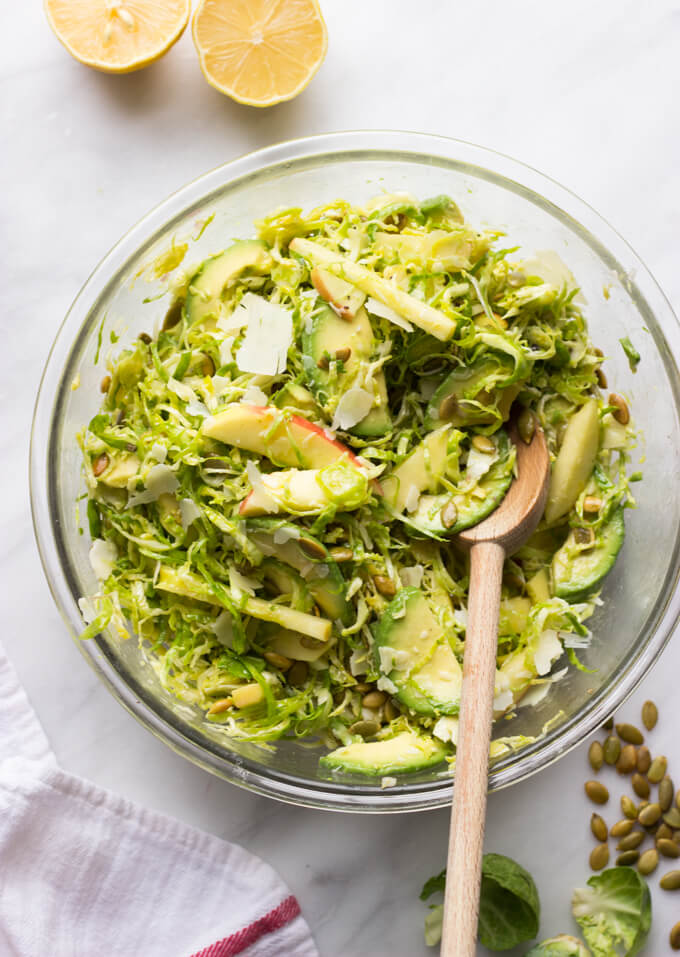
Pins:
<point x="189" y="512"/>
<point x="223" y="627"/>
<point x="478" y="464"/>
<point x="103" y="557"/>
<point x="269" y="336"/>
<point x="384" y="684"/>
<point x="236" y="321"/>
<point x="196" y="407"/>
<point x="285" y="534"/>
<point x="379" y="309"/>
<point x="160" y="480"/>
<point x="354" y="405"/>
<point x="159" y="452"/>
<point x="391" y="658"/>
<point x="87" y="610"/>
<point x="460" y="616"/>
<point x="412" y="576"/>
<point x="387" y="782"/>
<point x="357" y="662"/>
<point x="548" y="649"/>
<point x="182" y="390"/>
<point x="503" y="701"/>
<point x="241" y="585"/>
<point x="254" y="396"/>
<point x="446" y="729"/>
<point x="412" y="498"/>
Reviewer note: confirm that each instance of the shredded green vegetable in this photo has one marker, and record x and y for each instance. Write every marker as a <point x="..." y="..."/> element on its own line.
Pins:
<point x="323" y="409"/>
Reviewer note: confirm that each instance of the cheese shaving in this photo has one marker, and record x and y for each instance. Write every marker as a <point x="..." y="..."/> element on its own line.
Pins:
<point x="269" y="336"/>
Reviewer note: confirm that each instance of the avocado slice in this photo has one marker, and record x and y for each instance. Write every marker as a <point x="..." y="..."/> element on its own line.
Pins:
<point x="577" y="572"/>
<point x="413" y="652"/>
<point x="283" y="540"/>
<point x="204" y="299"/>
<point x="404" y="752"/>
<point x="462" y="399"/>
<point x="575" y="461"/>
<point x="327" y="334"/>
<point x="422" y="469"/>
<point x="471" y="508"/>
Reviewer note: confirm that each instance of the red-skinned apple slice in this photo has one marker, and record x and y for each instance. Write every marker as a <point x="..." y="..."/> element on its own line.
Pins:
<point x="286" y="440"/>
<point x="344" y="298"/>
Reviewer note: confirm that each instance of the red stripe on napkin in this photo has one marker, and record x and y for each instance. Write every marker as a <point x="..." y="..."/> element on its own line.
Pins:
<point x="236" y="943"/>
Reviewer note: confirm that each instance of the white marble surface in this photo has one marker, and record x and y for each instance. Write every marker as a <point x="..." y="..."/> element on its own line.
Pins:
<point x="585" y="92"/>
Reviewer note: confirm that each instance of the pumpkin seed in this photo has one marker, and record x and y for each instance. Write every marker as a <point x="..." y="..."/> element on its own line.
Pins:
<point x="278" y="661"/>
<point x="363" y="687"/>
<point x="526" y="425"/>
<point x="672" y="817"/>
<point x="219" y="706"/>
<point x="664" y="832"/>
<point x="312" y="548"/>
<point x="649" y="815"/>
<point x="629" y="733"/>
<point x="670" y="881"/>
<point x="483" y="444"/>
<point x="657" y="769"/>
<point x="628" y="858"/>
<point x="596" y="755"/>
<point x="365" y="728"/>
<point x="144" y="337"/>
<point x="385" y="585"/>
<point x="627" y="759"/>
<point x="323" y="363"/>
<point x="644" y="759"/>
<point x="591" y="505"/>
<point x="628" y="807"/>
<point x="308" y="642"/>
<point x="449" y="514"/>
<point x="650" y="715"/>
<point x="601" y="378"/>
<point x="649" y="861"/>
<point x="620" y="413"/>
<point x="599" y="857"/>
<point x="667" y="848"/>
<point x="390" y="711"/>
<point x="666" y="793"/>
<point x="341" y="554"/>
<point x="675" y="936"/>
<point x="598" y="826"/>
<point x="207" y="366"/>
<point x="105" y="384"/>
<point x="584" y="536"/>
<point x="611" y="750"/>
<point x="621" y="828"/>
<point x="630" y="841"/>
<point x="597" y="792"/>
<point x="448" y="407"/>
<point x="100" y="464"/>
<point x="374" y="699"/>
<point x="298" y="673"/>
<point x="609" y="724"/>
<point x="640" y="785"/>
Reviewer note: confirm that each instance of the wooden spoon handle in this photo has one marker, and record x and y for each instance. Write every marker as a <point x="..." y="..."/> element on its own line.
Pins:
<point x="464" y="865"/>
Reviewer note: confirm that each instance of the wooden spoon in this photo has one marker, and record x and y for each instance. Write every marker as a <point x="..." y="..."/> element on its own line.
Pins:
<point x="490" y="542"/>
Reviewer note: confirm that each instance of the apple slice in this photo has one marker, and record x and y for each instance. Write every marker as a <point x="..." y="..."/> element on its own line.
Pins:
<point x="306" y="491"/>
<point x="420" y="471"/>
<point x="287" y="440"/>
<point x="343" y="298"/>
<point x="407" y="306"/>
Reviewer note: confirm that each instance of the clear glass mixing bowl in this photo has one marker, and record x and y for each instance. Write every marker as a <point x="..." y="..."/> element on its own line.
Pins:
<point x="641" y="601"/>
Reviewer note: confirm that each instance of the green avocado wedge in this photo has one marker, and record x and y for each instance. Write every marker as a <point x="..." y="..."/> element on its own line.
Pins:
<point x="204" y="299"/>
<point x="578" y="571"/>
<point x="404" y="752"/>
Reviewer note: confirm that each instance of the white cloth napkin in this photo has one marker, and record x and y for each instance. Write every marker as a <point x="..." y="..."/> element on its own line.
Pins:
<point x="84" y="872"/>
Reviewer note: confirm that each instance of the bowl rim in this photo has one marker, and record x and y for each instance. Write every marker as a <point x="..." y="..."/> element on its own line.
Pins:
<point x="489" y="164"/>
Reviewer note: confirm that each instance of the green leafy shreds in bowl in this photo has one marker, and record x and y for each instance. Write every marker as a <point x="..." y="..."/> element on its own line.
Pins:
<point x="275" y="479"/>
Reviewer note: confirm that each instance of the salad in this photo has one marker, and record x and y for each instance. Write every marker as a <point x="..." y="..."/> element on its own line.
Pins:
<point x="276" y="476"/>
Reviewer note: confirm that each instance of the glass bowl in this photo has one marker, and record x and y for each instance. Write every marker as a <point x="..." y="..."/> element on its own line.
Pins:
<point x="641" y="602"/>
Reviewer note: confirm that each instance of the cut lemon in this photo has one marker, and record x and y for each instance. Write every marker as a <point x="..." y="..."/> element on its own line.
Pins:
<point x="118" y="36"/>
<point x="260" y="52"/>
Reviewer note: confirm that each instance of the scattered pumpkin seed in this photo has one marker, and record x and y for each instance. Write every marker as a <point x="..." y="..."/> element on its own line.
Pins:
<point x="100" y="464"/>
<point x="670" y="881"/>
<point x="363" y="687"/>
<point x="365" y="728"/>
<point x="657" y="769"/>
<point x="343" y="354"/>
<point x="601" y="378"/>
<point x="609" y="724"/>
<point x="591" y="505"/>
<point x="650" y="715"/>
<point x="374" y="699"/>
<point x="620" y="413"/>
<point x="219" y="706"/>
<point x="596" y="755"/>
<point x="385" y="585"/>
<point x="323" y="363"/>
<point x="628" y="807"/>
<point x="483" y="444"/>
<point x="599" y="857"/>
<point x="598" y="826"/>
<point x="631" y="841"/>
<point x="627" y="759"/>
<point x="649" y="861"/>
<point x="640" y="785"/>
<point x="629" y="733"/>
<point x="298" y="673"/>
<point x="308" y="642"/>
<point x="584" y="536"/>
<point x="448" y="407"/>
<point x="526" y="425"/>
<point x="644" y="759"/>
<point x="278" y="661"/>
<point x="628" y="858"/>
<point x="341" y="554"/>
<point x="312" y="548"/>
<point x="672" y="817"/>
<point x="144" y="337"/>
<point x="621" y="828"/>
<point x="667" y="848"/>
<point x="390" y="711"/>
<point x="666" y="793"/>
<point x="449" y="514"/>
<point x="207" y="366"/>
<point x="611" y="750"/>
<point x="675" y="936"/>
<point x="649" y="815"/>
<point x="664" y="832"/>
<point x="597" y="792"/>
<point x="105" y="384"/>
